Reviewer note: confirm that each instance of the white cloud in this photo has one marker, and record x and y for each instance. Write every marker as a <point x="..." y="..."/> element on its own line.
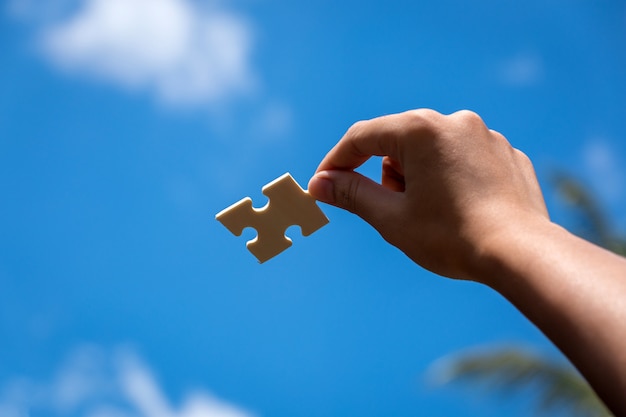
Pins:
<point x="94" y="383"/>
<point x="174" y="48"/>
<point x="522" y="70"/>
<point x="181" y="52"/>
<point x="606" y="174"/>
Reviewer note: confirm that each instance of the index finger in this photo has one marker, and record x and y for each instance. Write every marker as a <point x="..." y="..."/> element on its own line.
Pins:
<point x="382" y="136"/>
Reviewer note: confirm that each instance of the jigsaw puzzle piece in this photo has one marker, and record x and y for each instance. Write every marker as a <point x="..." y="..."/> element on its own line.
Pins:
<point x="238" y="216"/>
<point x="268" y="226"/>
<point x="293" y="206"/>
<point x="288" y="205"/>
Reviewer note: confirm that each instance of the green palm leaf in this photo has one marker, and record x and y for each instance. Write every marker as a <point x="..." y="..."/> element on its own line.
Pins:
<point x="557" y="386"/>
<point x="593" y="222"/>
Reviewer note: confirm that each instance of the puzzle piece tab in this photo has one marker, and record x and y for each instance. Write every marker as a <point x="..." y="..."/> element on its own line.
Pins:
<point x="288" y="205"/>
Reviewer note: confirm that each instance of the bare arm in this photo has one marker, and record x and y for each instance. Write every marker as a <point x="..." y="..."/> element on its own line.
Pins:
<point x="460" y="201"/>
<point x="575" y="292"/>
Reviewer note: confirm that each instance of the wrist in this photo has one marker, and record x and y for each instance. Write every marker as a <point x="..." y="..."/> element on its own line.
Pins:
<point x="506" y="256"/>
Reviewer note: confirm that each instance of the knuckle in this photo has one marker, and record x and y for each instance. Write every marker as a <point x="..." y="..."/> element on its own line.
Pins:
<point x="356" y="128"/>
<point x="497" y="134"/>
<point x="424" y="114"/>
<point x="524" y="163"/>
<point x="421" y="120"/>
<point x="468" y="117"/>
<point x="521" y="155"/>
<point x="499" y="137"/>
<point x="523" y="158"/>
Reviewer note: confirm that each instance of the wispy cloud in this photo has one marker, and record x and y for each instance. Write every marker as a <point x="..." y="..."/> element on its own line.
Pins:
<point x="184" y="53"/>
<point x="180" y="51"/>
<point x="97" y="383"/>
<point x="521" y="70"/>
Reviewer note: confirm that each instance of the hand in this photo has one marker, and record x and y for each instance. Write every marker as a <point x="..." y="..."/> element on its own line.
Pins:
<point x="450" y="187"/>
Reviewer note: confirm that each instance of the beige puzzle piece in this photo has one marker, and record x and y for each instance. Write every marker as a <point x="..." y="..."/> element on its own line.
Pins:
<point x="288" y="205"/>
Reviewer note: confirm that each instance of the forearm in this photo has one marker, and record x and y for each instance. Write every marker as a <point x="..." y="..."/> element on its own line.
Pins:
<point x="575" y="293"/>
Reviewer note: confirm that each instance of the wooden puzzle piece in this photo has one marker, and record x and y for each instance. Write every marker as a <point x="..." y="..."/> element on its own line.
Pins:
<point x="288" y="205"/>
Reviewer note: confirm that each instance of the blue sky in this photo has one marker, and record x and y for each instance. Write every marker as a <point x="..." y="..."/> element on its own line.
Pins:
<point x="126" y="125"/>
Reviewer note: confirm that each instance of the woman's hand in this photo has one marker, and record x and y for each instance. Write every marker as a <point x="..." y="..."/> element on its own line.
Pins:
<point x="450" y="187"/>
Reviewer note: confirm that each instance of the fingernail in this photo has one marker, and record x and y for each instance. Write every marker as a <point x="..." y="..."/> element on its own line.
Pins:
<point x="322" y="188"/>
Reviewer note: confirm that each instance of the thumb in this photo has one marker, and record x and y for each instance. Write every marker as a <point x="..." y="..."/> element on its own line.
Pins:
<point x="354" y="192"/>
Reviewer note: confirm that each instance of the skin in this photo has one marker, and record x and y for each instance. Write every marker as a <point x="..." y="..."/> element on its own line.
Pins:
<point x="460" y="201"/>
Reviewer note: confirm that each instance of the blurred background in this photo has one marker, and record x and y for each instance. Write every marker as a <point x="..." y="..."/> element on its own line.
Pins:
<point x="126" y="125"/>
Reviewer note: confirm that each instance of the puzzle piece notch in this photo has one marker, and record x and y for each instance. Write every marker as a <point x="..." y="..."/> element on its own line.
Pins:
<point x="288" y="205"/>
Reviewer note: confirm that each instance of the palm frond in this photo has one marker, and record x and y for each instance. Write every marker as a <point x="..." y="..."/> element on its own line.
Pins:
<point x="556" y="385"/>
<point x="593" y="223"/>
